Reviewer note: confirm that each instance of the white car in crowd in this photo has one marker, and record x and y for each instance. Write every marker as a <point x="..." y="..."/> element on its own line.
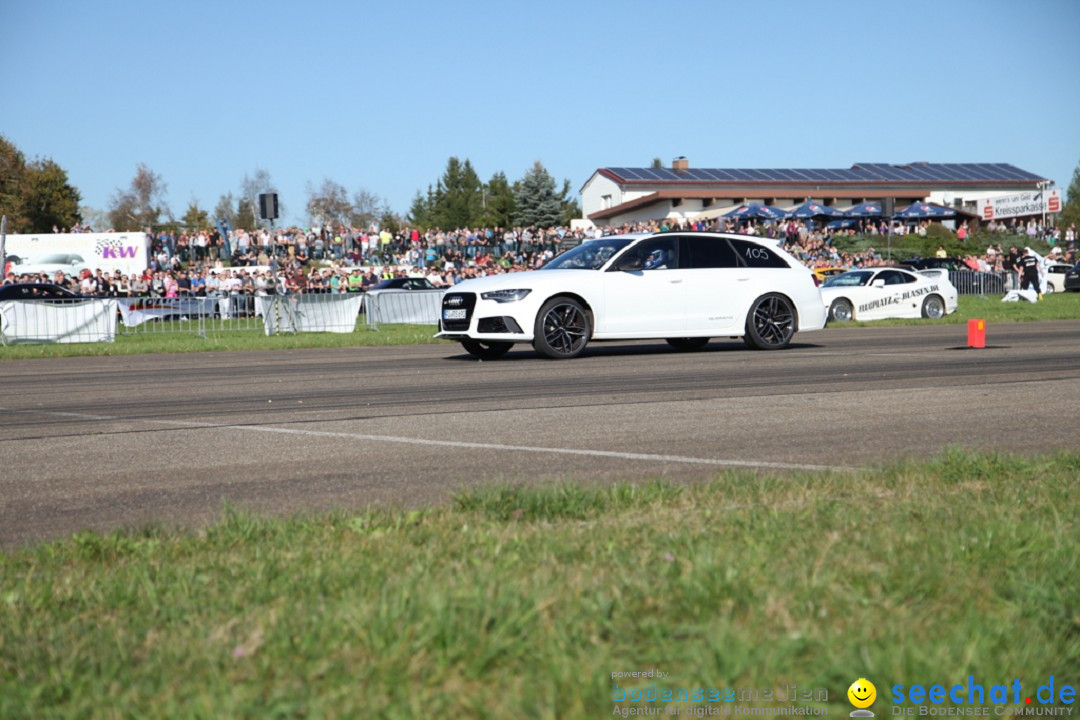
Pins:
<point x="68" y="263"/>
<point x="680" y="287"/>
<point x="1055" y="277"/>
<point x="877" y="293"/>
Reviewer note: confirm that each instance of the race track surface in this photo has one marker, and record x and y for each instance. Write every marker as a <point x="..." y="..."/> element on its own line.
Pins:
<point x="115" y="442"/>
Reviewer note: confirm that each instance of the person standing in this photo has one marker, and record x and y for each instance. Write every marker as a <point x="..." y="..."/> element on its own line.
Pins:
<point x="1029" y="270"/>
<point x="1012" y="266"/>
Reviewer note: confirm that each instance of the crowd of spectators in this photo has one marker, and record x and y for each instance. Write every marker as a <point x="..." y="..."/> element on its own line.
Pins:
<point x="327" y="259"/>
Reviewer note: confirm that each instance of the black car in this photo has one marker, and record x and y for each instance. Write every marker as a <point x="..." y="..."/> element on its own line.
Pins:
<point x="1072" y="279"/>
<point x="405" y="283"/>
<point x="37" y="291"/>
<point x="947" y="263"/>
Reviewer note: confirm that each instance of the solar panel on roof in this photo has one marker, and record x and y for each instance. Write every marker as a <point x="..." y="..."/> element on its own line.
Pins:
<point x="936" y="173"/>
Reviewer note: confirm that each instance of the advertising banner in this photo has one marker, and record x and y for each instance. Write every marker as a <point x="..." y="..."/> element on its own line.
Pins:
<point x="1034" y="202"/>
<point x="74" y="252"/>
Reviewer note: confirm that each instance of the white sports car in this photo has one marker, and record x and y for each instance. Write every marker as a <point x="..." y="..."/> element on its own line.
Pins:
<point x="878" y="293"/>
<point x="680" y="287"/>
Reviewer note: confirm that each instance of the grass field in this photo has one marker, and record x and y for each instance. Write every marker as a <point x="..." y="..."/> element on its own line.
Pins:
<point x="1060" y="306"/>
<point x="516" y="603"/>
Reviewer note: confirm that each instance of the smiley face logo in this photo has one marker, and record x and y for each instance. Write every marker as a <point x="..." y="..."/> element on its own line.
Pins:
<point x="862" y="693"/>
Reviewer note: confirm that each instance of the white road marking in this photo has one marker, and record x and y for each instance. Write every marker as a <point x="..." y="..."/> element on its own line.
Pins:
<point x="648" y="457"/>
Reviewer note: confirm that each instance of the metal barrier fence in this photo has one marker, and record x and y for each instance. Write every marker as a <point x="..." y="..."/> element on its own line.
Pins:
<point x="271" y="314"/>
<point x="974" y="282"/>
<point x="71" y="320"/>
<point x="58" y="320"/>
<point x="415" y="307"/>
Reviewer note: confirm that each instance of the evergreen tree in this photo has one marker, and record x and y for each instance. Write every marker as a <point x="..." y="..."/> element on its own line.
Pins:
<point x="498" y="205"/>
<point x="535" y="199"/>
<point x="570" y="207"/>
<point x="421" y="210"/>
<point x="458" y="198"/>
<point x="196" y="218"/>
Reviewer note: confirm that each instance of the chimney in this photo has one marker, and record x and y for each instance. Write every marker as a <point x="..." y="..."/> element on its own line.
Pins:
<point x="680" y="164"/>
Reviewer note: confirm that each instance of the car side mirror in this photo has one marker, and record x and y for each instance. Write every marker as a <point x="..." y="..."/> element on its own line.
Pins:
<point x="631" y="264"/>
<point x="878" y="283"/>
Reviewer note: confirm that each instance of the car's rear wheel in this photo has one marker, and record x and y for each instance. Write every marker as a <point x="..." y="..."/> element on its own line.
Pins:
<point x="687" y="344"/>
<point x="841" y="311"/>
<point x="770" y="324"/>
<point x="486" y="350"/>
<point x="1050" y="289"/>
<point x="933" y="307"/>
<point x="562" y="329"/>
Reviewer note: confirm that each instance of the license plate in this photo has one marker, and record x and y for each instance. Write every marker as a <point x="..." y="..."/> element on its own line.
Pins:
<point x="454" y="314"/>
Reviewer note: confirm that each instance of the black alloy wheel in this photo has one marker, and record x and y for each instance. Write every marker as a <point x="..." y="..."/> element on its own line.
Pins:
<point x="562" y="329"/>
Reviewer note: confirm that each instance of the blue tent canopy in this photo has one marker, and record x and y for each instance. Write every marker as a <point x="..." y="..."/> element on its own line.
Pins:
<point x="925" y="210"/>
<point x="812" y="208"/>
<point x="842" y="223"/>
<point x="870" y="208"/>
<point x="755" y="210"/>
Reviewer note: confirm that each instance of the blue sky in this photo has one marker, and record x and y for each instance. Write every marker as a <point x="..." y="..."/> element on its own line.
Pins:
<point x="377" y="96"/>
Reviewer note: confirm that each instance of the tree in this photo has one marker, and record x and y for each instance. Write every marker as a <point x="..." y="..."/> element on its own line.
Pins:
<point x="196" y="218"/>
<point x="421" y="211"/>
<point x="1070" y="213"/>
<point x="35" y="196"/>
<point x="253" y="186"/>
<point x="224" y="210"/>
<point x="458" y="196"/>
<point x="51" y="202"/>
<point x="329" y="204"/>
<point x="13" y="188"/>
<point x="365" y="209"/>
<point x="657" y="163"/>
<point x="570" y="207"/>
<point x="142" y="205"/>
<point x="498" y="205"/>
<point x="537" y="202"/>
<point x="390" y="220"/>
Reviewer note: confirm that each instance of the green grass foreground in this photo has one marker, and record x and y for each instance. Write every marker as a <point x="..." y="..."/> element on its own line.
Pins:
<point x="520" y="603"/>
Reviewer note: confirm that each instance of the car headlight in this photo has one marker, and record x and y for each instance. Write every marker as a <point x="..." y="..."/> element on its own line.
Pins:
<point x="505" y="296"/>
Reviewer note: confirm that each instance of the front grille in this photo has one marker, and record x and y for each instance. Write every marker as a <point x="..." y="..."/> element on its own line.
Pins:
<point x="457" y="301"/>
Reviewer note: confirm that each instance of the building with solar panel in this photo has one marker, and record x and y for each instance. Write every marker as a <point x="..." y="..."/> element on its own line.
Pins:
<point x="618" y="195"/>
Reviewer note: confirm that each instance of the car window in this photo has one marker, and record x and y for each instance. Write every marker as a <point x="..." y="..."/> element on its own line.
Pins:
<point x="755" y="255"/>
<point x="656" y="253"/>
<point x="849" y="279"/>
<point x="894" y="277"/>
<point x="710" y="252"/>
<point x="590" y="255"/>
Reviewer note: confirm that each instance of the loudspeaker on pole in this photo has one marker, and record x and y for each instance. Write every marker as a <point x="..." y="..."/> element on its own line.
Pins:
<point x="268" y="206"/>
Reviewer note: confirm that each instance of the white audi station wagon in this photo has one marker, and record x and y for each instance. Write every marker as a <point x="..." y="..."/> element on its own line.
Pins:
<point x="682" y="287"/>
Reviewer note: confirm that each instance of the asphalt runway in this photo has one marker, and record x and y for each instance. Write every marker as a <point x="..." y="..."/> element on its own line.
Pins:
<point x="115" y="442"/>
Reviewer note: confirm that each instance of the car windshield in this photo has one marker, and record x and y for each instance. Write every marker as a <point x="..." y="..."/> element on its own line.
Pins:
<point x="856" y="278"/>
<point x="590" y="255"/>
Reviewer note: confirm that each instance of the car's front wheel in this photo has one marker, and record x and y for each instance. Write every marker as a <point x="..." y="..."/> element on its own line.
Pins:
<point x="1050" y="289"/>
<point x="486" y="350"/>
<point x="562" y="329"/>
<point x="687" y="344"/>
<point x="933" y="307"/>
<point x="770" y="324"/>
<point x="841" y="311"/>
